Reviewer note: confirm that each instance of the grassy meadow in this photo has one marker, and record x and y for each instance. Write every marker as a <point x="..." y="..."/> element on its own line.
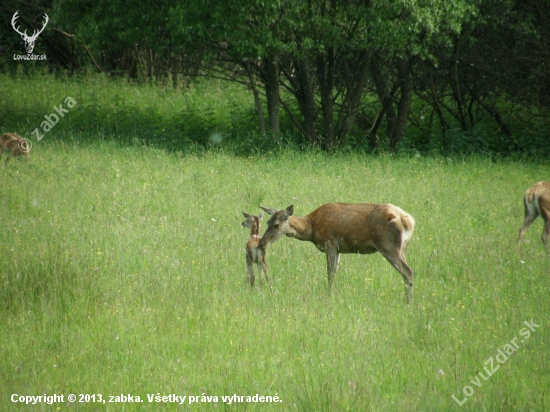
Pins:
<point x="122" y="266"/>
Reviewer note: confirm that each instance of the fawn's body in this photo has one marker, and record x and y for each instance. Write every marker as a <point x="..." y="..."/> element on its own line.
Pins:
<point x="254" y="254"/>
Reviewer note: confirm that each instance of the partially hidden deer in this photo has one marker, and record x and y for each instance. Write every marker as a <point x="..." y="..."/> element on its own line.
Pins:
<point x="537" y="202"/>
<point x="336" y="228"/>
<point x="254" y="254"/>
<point x="15" y="145"/>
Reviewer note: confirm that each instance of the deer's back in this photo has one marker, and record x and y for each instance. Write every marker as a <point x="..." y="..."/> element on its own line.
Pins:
<point x="360" y="227"/>
<point x="9" y="142"/>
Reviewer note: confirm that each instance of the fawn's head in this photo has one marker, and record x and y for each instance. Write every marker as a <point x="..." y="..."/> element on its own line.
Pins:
<point x="252" y="221"/>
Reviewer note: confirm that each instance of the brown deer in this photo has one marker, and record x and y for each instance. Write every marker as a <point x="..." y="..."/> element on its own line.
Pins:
<point x="336" y="228"/>
<point x="15" y="145"/>
<point x="254" y="254"/>
<point x="537" y="202"/>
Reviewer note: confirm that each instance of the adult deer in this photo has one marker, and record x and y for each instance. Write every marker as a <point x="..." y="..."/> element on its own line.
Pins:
<point x="537" y="202"/>
<point x="254" y="254"/>
<point x="29" y="40"/>
<point x="14" y="145"/>
<point x="336" y="228"/>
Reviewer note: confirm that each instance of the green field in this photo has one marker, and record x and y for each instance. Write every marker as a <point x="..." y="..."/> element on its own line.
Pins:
<point x="123" y="271"/>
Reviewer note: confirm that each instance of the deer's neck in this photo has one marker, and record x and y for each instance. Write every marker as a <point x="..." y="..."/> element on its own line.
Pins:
<point x="255" y="229"/>
<point x="300" y="228"/>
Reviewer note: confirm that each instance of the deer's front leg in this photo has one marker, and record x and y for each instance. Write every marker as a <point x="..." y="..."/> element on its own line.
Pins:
<point x="333" y="257"/>
<point x="249" y="270"/>
<point x="263" y="266"/>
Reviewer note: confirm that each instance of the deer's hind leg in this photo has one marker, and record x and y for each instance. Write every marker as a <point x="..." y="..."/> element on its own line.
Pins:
<point x="398" y="261"/>
<point x="531" y="213"/>
<point x="545" y="213"/>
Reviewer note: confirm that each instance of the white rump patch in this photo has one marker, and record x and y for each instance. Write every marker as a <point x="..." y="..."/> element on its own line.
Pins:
<point x="406" y="236"/>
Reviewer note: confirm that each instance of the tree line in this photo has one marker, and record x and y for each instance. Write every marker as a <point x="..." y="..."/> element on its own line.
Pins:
<point x="444" y="75"/>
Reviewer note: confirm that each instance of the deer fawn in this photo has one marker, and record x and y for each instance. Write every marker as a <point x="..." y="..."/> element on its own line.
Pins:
<point x="336" y="228"/>
<point x="15" y="145"/>
<point x="537" y="202"/>
<point x="254" y="254"/>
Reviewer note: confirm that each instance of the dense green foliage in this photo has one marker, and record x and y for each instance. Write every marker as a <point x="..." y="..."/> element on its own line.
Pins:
<point x="458" y="76"/>
<point x="119" y="110"/>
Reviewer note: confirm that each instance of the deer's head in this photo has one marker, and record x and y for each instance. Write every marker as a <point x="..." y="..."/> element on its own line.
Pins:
<point x="277" y="225"/>
<point x="29" y="40"/>
<point x="252" y="221"/>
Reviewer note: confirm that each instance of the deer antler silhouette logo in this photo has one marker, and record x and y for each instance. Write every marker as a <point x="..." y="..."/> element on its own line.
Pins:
<point x="29" y="40"/>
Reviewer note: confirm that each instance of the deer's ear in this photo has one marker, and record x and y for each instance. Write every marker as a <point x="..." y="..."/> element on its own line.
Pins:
<point x="269" y="210"/>
<point x="246" y="215"/>
<point x="289" y="211"/>
<point x="261" y="216"/>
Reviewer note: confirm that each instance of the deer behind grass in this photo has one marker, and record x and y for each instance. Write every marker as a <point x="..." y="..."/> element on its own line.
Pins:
<point x="15" y="145"/>
<point x="537" y="202"/>
<point x="336" y="228"/>
<point x="254" y="254"/>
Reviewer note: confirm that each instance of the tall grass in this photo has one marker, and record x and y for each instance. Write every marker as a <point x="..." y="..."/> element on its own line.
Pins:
<point x="122" y="271"/>
<point x="184" y="117"/>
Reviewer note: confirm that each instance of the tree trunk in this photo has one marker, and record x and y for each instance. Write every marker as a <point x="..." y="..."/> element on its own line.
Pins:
<point x="257" y="100"/>
<point x="404" y="105"/>
<point x="303" y="90"/>
<point x="439" y="111"/>
<point x="306" y="100"/>
<point x="457" y="92"/>
<point x="326" y="73"/>
<point x="386" y="97"/>
<point x="356" y="77"/>
<point x="272" y="94"/>
<point x="390" y="123"/>
<point x="493" y="111"/>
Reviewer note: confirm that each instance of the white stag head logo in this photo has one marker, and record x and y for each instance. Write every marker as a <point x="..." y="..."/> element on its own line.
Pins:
<point x="29" y="40"/>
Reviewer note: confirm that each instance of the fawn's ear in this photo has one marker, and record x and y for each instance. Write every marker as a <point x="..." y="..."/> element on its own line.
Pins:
<point x="289" y="211"/>
<point x="261" y="216"/>
<point x="246" y="215"/>
<point x="269" y="210"/>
